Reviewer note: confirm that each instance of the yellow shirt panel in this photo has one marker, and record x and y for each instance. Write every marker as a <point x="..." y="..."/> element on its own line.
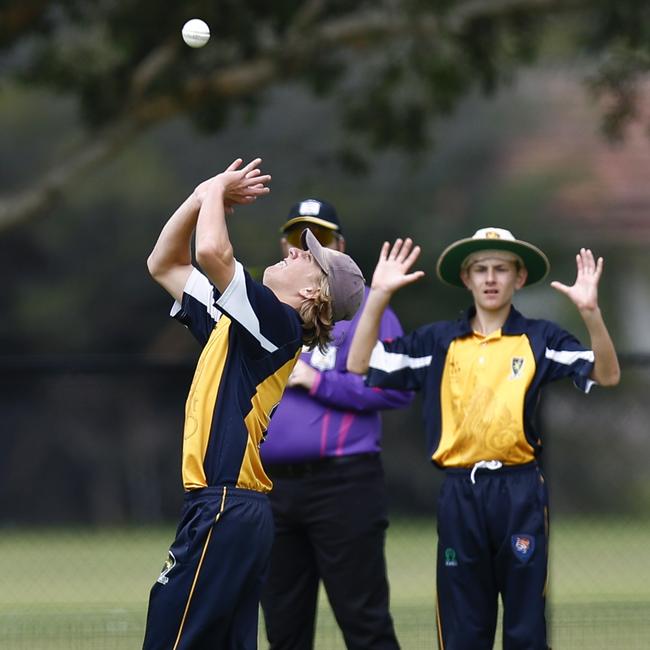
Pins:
<point x="266" y="398"/>
<point x="482" y="395"/>
<point x="199" y="407"/>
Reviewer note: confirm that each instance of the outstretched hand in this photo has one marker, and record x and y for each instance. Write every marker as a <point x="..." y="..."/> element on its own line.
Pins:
<point x="239" y="185"/>
<point x="391" y="272"/>
<point x="584" y="292"/>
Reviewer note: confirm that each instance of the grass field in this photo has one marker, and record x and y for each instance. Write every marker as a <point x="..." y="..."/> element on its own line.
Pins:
<point x="68" y="589"/>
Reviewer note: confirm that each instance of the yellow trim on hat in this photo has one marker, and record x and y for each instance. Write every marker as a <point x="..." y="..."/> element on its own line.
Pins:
<point x="451" y="259"/>
<point x="319" y="222"/>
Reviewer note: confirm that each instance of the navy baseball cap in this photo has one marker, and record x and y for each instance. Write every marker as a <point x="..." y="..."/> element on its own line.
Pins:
<point x="313" y="211"/>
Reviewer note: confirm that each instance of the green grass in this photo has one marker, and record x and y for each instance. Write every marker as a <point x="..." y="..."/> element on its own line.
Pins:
<point x="63" y="589"/>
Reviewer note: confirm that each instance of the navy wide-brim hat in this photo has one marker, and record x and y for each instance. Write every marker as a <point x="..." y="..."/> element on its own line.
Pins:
<point x="451" y="259"/>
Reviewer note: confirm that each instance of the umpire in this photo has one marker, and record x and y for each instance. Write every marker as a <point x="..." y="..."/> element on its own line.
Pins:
<point x="322" y="453"/>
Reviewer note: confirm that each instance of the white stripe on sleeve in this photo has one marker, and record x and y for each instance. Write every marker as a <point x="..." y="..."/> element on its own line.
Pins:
<point x="391" y="361"/>
<point x="199" y="287"/>
<point x="235" y="301"/>
<point x="568" y="357"/>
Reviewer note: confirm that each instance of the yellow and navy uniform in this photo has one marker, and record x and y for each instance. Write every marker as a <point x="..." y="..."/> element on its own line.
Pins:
<point x="208" y="594"/>
<point x="479" y="397"/>
<point x="480" y="392"/>
<point x="251" y="341"/>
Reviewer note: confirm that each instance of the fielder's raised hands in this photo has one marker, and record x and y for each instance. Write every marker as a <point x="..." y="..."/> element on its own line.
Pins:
<point x="392" y="270"/>
<point x="238" y="185"/>
<point x="234" y="185"/>
<point x="584" y="291"/>
<point x="203" y="211"/>
<point x="584" y="295"/>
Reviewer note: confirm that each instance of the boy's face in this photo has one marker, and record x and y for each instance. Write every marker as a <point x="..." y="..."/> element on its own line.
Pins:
<point x="493" y="278"/>
<point x="296" y="271"/>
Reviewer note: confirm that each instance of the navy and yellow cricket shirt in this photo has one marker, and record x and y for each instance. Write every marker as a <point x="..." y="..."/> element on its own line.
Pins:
<point x="480" y="392"/>
<point x="251" y="342"/>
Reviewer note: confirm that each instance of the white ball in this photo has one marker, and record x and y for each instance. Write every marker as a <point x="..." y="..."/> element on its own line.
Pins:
<point x="196" y="32"/>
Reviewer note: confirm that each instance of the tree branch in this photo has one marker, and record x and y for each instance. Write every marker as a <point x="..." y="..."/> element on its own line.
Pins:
<point x="363" y="30"/>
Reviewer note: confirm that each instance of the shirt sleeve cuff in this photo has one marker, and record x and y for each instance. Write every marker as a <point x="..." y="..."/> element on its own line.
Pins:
<point x="314" y="387"/>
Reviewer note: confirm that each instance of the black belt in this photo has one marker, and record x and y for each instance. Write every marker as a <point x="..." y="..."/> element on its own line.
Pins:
<point x="309" y="468"/>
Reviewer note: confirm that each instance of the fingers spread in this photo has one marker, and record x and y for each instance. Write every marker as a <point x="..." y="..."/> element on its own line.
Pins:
<point x="234" y="165"/>
<point x="413" y="255"/>
<point x="405" y="249"/>
<point x="396" y="249"/>
<point x="252" y="165"/>
<point x="413" y="277"/>
<point x="559" y="286"/>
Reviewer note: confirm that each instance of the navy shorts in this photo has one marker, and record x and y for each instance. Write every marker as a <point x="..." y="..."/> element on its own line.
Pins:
<point x="492" y="540"/>
<point x="208" y="593"/>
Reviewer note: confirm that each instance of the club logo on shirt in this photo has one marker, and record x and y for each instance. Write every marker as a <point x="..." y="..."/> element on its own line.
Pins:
<point x="170" y="563"/>
<point x="523" y="546"/>
<point x="516" y="366"/>
<point x="450" y="557"/>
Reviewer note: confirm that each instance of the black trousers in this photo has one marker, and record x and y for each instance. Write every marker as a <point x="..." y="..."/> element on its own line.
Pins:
<point x="330" y="525"/>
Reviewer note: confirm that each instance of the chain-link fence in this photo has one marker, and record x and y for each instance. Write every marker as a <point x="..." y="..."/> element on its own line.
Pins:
<point x="91" y="493"/>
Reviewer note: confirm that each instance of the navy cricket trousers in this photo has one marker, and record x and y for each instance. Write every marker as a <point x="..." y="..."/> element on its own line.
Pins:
<point x="208" y="593"/>
<point x="492" y="540"/>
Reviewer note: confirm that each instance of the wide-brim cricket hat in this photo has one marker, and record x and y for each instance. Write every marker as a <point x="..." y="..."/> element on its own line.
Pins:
<point x="344" y="276"/>
<point x="452" y="258"/>
<point x="315" y="211"/>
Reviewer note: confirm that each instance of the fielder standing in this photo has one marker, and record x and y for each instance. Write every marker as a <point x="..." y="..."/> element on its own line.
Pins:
<point x="481" y="376"/>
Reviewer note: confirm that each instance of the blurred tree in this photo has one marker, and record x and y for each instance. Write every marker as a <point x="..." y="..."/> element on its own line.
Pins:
<point x="398" y="63"/>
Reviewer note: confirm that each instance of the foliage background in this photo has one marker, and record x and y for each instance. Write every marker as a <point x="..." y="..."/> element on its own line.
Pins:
<point x="423" y="119"/>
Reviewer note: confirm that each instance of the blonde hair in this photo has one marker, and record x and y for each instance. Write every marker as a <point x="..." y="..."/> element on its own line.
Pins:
<point x="317" y="319"/>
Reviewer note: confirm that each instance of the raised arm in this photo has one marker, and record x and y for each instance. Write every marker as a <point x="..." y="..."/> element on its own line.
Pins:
<point x="391" y="274"/>
<point x="170" y="261"/>
<point x="584" y="295"/>
<point x="214" y="251"/>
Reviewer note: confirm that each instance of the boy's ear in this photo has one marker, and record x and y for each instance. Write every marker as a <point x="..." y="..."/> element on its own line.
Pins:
<point x="307" y="292"/>
<point x="522" y="276"/>
<point x="464" y="276"/>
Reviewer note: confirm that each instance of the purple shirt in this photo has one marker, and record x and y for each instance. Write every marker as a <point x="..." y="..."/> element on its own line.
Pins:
<point x="339" y="416"/>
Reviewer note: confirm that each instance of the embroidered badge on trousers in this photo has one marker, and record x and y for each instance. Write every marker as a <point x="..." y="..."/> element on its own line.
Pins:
<point x="170" y="563"/>
<point x="450" y="557"/>
<point x="523" y="546"/>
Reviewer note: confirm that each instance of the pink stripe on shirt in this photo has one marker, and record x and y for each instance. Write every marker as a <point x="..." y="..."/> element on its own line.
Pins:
<point x="346" y="423"/>
<point x="323" y="432"/>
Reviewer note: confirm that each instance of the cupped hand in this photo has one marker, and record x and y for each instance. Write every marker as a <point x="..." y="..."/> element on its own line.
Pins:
<point x="238" y="185"/>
